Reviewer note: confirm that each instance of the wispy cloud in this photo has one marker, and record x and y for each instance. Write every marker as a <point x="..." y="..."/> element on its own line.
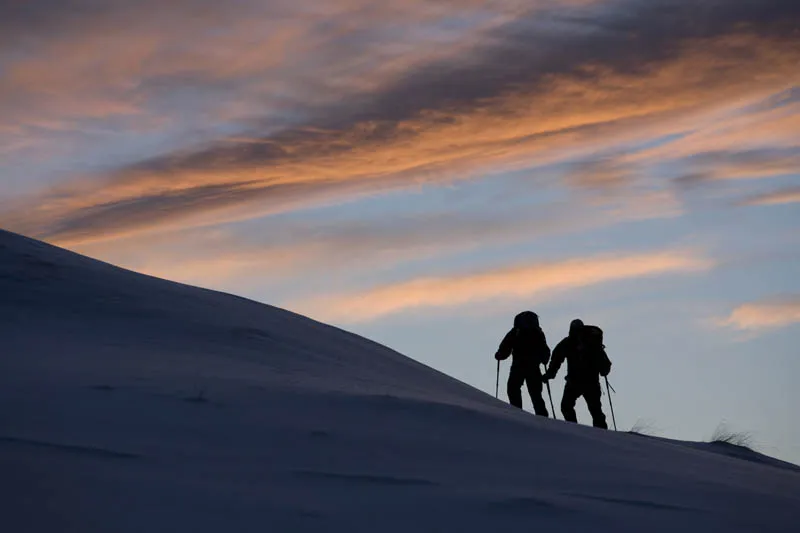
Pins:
<point x="745" y="164"/>
<point x="790" y="195"/>
<point x="210" y="256"/>
<point x="520" y="88"/>
<point x="514" y="283"/>
<point x="764" y="315"/>
<point x="750" y="139"/>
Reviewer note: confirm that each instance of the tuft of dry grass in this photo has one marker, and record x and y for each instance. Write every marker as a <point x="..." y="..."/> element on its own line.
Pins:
<point x="724" y="434"/>
<point x="645" y="427"/>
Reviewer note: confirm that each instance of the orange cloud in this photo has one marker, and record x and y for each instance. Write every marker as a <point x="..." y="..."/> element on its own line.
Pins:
<point x="516" y="95"/>
<point x="754" y="138"/>
<point x="114" y="58"/>
<point x="759" y="123"/>
<point x="764" y="315"/>
<point x="521" y="282"/>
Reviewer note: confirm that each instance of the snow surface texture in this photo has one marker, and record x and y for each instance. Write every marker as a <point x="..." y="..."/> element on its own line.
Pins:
<point x="133" y="404"/>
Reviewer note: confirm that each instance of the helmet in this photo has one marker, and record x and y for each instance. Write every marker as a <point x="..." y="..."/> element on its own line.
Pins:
<point x="575" y="326"/>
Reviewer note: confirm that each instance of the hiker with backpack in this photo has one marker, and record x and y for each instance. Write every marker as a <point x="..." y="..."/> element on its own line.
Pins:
<point x="527" y="343"/>
<point x="587" y="360"/>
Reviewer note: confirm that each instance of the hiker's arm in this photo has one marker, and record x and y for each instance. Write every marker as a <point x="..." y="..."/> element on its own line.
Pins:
<point x="605" y="363"/>
<point x="545" y="355"/>
<point x="504" y="351"/>
<point x="559" y="354"/>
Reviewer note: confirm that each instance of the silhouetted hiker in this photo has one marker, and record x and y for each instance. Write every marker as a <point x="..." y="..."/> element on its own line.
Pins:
<point x="527" y="343"/>
<point x="586" y="362"/>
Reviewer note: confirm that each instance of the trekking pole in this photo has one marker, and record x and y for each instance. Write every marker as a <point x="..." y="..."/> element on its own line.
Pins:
<point x="553" y="409"/>
<point x="497" y="380"/>
<point x="551" y="401"/>
<point x="609" y="388"/>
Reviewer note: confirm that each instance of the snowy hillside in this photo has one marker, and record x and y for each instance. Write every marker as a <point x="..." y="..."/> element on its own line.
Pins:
<point x="133" y="404"/>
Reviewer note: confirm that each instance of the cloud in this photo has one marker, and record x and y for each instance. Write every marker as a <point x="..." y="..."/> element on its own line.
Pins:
<point x="759" y="124"/>
<point x="746" y="164"/>
<point x="80" y="57"/>
<point x="789" y="195"/>
<point x="213" y="256"/>
<point x="764" y="315"/>
<point x="520" y="282"/>
<point x="600" y="174"/>
<point x="750" y="139"/>
<point x="544" y="86"/>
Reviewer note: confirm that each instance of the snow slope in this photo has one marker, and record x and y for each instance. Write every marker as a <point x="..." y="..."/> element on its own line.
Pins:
<point x="133" y="404"/>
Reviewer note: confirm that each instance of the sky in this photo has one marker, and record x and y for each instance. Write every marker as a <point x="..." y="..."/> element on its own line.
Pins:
<point x="419" y="171"/>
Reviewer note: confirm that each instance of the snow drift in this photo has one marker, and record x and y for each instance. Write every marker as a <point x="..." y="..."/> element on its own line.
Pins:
<point x="130" y="404"/>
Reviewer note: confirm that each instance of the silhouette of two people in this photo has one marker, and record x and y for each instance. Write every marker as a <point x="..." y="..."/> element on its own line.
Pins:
<point x="582" y="349"/>
<point x="527" y="343"/>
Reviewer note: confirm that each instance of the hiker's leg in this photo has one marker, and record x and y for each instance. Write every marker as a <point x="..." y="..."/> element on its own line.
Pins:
<point x="514" y="388"/>
<point x="533" y="380"/>
<point x="571" y="394"/>
<point x="591" y="393"/>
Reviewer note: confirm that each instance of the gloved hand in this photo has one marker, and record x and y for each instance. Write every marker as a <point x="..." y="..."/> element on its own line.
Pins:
<point x="498" y="356"/>
<point x="547" y="376"/>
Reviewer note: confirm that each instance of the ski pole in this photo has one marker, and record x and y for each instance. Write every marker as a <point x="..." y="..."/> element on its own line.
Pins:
<point x="551" y="401"/>
<point x="609" y="388"/>
<point x="549" y="395"/>
<point x="497" y="380"/>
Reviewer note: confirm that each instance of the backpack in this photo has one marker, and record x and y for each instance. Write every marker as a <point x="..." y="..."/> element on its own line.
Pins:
<point x="592" y="336"/>
<point x="528" y="333"/>
<point x="526" y="320"/>
<point x="593" y="350"/>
